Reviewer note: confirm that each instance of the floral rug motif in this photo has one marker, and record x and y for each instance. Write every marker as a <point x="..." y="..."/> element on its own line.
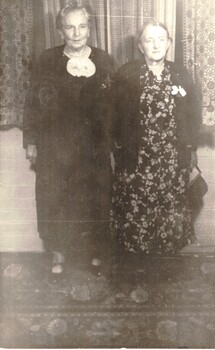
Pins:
<point x="152" y="302"/>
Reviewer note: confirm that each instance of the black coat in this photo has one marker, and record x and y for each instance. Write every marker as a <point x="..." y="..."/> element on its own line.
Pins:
<point x="125" y="130"/>
<point x="66" y="117"/>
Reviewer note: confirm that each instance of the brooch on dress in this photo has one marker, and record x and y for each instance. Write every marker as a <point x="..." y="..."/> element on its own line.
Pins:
<point x="81" y="66"/>
<point x="178" y="91"/>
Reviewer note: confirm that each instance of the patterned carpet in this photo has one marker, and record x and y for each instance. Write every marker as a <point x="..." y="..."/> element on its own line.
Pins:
<point x="157" y="302"/>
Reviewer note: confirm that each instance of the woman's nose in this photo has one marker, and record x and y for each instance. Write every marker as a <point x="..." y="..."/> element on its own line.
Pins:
<point x="76" y="32"/>
<point x="156" y="43"/>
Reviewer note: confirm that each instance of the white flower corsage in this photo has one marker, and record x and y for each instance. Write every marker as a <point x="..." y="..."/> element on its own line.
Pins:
<point x="81" y="66"/>
<point x="178" y="91"/>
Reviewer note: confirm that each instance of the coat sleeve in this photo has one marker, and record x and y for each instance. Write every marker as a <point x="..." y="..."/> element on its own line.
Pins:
<point x="102" y="100"/>
<point x="194" y="113"/>
<point x="120" y="99"/>
<point x="188" y="108"/>
<point x="124" y="119"/>
<point x="31" y="109"/>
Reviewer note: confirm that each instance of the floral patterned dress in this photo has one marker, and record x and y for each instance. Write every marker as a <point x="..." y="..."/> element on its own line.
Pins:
<point x="150" y="212"/>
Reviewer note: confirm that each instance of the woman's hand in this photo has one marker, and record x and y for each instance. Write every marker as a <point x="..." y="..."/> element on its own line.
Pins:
<point x="194" y="160"/>
<point x="31" y="153"/>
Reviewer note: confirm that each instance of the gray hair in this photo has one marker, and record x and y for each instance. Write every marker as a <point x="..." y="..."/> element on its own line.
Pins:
<point x="152" y="22"/>
<point x="74" y="6"/>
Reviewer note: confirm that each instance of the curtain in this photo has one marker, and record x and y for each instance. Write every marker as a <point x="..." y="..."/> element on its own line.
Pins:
<point x="52" y="36"/>
<point x="16" y="28"/>
<point x="115" y="24"/>
<point x="198" y="51"/>
<point x="28" y="28"/>
<point x="165" y="12"/>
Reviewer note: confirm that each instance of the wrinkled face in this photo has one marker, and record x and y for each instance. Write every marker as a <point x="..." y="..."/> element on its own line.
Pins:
<point x="75" y="30"/>
<point x="154" y="43"/>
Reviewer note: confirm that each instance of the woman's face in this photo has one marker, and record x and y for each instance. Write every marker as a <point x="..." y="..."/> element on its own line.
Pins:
<point x="75" y="30"/>
<point x="154" y="43"/>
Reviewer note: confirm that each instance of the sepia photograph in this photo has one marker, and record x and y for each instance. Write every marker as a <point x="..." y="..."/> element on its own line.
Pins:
<point x="107" y="174"/>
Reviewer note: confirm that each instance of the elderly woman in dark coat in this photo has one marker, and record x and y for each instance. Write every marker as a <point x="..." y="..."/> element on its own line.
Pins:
<point x="155" y="141"/>
<point x="65" y="130"/>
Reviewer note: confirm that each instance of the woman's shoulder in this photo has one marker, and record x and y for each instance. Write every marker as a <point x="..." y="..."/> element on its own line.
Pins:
<point x="178" y="68"/>
<point x="102" y="59"/>
<point x="47" y="60"/>
<point x="130" y="69"/>
<point x="179" y="72"/>
<point x="99" y="53"/>
<point x="51" y="53"/>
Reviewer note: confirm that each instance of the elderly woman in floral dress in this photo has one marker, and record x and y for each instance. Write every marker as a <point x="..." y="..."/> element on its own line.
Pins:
<point x="155" y="140"/>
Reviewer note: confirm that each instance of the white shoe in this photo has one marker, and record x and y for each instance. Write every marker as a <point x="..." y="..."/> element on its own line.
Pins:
<point x="58" y="261"/>
<point x="57" y="268"/>
<point x="96" y="262"/>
